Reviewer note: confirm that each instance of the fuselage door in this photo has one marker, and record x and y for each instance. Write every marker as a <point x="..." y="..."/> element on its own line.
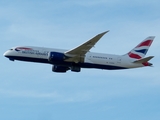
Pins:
<point x="119" y="60"/>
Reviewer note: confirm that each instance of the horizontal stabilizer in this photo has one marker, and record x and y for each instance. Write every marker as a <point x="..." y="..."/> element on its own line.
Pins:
<point x="143" y="60"/>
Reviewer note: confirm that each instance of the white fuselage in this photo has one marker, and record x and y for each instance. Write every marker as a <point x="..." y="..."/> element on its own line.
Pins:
<point x="91" y="59"/>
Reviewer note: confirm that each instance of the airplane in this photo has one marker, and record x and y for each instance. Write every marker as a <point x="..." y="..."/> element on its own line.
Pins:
<point x="81" y="57"/>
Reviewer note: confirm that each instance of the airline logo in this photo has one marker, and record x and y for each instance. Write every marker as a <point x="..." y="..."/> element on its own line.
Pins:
<point x="22" y="48"/>
<point x="30" y="51"/>
<point x="140" y="50"/>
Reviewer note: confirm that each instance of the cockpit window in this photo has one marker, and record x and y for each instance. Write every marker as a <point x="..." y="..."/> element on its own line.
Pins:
<point x="10" y="49"/>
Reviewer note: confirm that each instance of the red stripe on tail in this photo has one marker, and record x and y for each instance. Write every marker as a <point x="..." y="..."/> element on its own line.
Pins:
<point x="145" y="43"/>
<point x="132" y="55"/>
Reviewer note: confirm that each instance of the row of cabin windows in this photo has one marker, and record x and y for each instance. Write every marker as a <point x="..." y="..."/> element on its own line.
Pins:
<point x="101" y="57"/>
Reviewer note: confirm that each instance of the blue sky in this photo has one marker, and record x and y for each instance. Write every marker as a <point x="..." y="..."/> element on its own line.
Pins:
<point x="32" y="91"/>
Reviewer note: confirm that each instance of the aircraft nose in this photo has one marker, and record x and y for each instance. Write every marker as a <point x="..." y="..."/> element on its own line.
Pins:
<point x="5" y="54"/>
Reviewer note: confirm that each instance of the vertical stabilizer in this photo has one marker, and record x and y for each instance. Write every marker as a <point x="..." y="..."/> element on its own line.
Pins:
<point x="141" y="49"/>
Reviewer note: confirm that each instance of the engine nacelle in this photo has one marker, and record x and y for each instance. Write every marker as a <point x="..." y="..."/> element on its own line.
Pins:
<point x="61" y="69"/>
<point x="55" y="56"/>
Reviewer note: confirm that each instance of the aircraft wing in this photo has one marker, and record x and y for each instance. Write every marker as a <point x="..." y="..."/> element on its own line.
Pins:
<point x="78" y="53"/>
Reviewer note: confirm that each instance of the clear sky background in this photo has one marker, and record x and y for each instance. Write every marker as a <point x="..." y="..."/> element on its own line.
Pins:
<point x="31" y="91"/>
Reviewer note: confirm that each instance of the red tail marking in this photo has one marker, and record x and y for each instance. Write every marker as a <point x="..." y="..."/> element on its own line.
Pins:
<point x="145" y="43"/>
<point x="132" y="55"/>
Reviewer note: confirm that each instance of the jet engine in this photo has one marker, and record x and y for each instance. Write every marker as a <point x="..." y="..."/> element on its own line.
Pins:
<point x="56" y="56"/>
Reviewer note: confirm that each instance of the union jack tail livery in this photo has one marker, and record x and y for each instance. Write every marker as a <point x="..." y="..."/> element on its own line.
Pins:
<point x="141" y="49"/>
